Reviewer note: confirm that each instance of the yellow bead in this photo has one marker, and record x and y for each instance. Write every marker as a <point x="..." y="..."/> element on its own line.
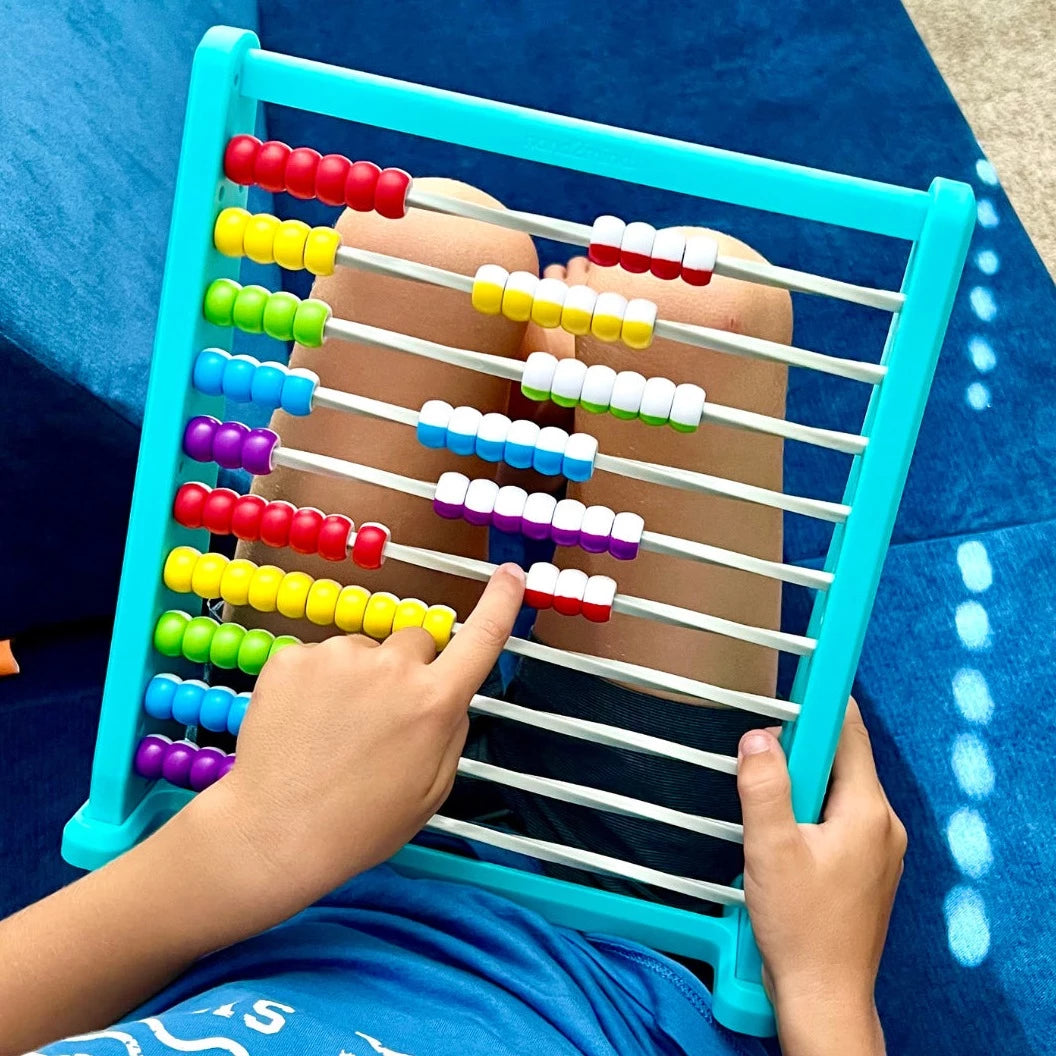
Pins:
<point x="519" y="295"/>
<point x="234" y="587"/>
<point x="322" y="601"/>
<point x="293" y="594"/>
<point x="488" y="287"/>
<point x="378" y="617"/>
<point x="208" y="572"/>
<point x="259" y="239"/>
<point x="639" y="323"/>
<point x="320" y="250"/>
<point x="289" y="242"/>
<point x="546" y="313"/>
<point x="229" y="231"/>
<point x="264" y="587"/>
<point x="351" y="604"/>
<point x="607" y="320"/>
<point x="409" y="613"/>
<point x="578" y="310"/>
<point x="179" y="568"/>
<point x="439" y="622"/>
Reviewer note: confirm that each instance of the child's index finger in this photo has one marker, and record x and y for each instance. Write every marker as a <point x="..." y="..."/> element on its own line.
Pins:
<point x="853" y="769"/>
<point x="472" y="652"/>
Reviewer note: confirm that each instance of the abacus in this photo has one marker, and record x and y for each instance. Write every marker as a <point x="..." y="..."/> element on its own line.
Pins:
<point x="141" y="775"/>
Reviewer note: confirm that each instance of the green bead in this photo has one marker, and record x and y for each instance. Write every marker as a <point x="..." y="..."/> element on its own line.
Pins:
<point x="197" y="638"/>
<point x="308" y="323"/>
<point x="168" y="632"/>
<point x="627" y="416"/>
<point x="279" y="315"/>
<point x="253" y="652"/>
<point x="281" y="642"/>
<point x="539" y="395"/>
<point x="594" y="408"/>
<point x="652" y="419"/>
<point x="681" y="427"/>
<point x="564" y="401"/>
<point x="248" y="314"/>
<point x="223" y="651"/>
<point x="220" y="301"/>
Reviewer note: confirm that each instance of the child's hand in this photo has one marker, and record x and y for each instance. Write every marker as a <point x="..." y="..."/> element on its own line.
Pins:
<point x="820" y="896"/>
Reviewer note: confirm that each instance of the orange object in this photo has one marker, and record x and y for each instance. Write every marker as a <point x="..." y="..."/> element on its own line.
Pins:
<point x="8" y="663"/>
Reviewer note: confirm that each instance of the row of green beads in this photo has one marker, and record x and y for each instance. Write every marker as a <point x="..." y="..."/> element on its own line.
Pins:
<point x="599" y="408"/>
<point x="259" y="311"/>
<point x="202" y="639"/>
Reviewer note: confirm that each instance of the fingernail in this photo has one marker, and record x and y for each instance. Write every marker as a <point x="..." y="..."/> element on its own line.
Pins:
<point x="513" y="570"/>
<point x="755" y="743"/>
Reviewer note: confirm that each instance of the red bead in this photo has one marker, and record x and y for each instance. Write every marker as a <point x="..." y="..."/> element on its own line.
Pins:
<point x="245" y="520"/>
<point x="330" y="179"/>
<point x="596" y="613"/>
<point x="216" y="513"/>
<point x="275" y="523"/>
<point x="300" y="172"/>
<point x="368" y="551"/>
<point x="390" y="196"/>
<point x="304" y="530"/>
<point x="603" y="256"/>
<point x="696" y="276"/>
<point x="187" y="506"/>
<point x="359" y="186"/>
<point x="269" y="171"/>
<point x="568" y="606"/>
<point x="333" y="537"/>
<point x="240" y="159"/>
<point x="665" y="269"/>
<point x="538" y="599"/>
<point x="635" y="263"/>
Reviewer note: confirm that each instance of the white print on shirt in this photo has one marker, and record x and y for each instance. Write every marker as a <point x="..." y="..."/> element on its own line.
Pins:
<point x="275" y="1022"/>
<point x="157" y="1028"/>
<point x="376" y="1046"/>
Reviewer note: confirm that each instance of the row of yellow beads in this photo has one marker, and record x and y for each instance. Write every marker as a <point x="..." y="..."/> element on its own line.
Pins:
<point x="291" y="244"/>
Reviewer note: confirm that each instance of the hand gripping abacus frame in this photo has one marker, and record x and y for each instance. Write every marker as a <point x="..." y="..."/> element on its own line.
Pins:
<point x="232" y="77"/>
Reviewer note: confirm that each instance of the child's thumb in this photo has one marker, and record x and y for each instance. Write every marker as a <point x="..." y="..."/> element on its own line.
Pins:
<point x="763" y="785"/>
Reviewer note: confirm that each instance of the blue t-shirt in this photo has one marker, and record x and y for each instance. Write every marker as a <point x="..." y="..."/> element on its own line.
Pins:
<point x="399" y="967"/>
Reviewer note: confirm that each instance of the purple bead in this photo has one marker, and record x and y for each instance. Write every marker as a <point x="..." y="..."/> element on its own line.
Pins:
<point x="225" y="767"/>
<point x="198" y="437"/>
<point x="227" y="444"/>
<point x="505" y="523"/>
<point x="594" y="544"/>
<point x="150" y="756"/>
<point x="257" y="451"/>
<point x="453" y="511"/>
<point x="480" y="518"/>
<point x="177" y="765"/>
<point x="205" y="768"/>
<point x="623" y="550"/>
<point x="535" y="529"/>
<point x="565" y="536"/>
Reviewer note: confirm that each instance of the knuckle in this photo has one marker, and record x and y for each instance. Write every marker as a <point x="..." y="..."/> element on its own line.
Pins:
<point x="490" y="631"/>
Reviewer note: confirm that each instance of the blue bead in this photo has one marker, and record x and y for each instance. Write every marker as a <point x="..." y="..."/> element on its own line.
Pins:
<point x="548" y="463"/>
<point x="237" y="713"/>
<point x="268" y="382"/>
<point x="209" y="369"/>
<point x="187" y="703"/>
<point x="577" y="469"/>
<point x="238" y="379"/>
<point x="432" y="435"/>
<point x="519" y="456"/>
<point x="297" y="393"/>
<point x="157" y="701"/>
<point x="216" y="703"/>
<point x="461" y="443"/>
<point x="490" y="450"/>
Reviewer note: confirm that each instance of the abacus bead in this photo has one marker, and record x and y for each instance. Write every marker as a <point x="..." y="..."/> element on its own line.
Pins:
<point x="269" y="170"/>
<point x="188" y="505"/>
<point x="578" y="461"/>
<point x="225" y="767"/>
<point x="626" y="536"/>
<point x="280" y="315"/>
<point x="320" y="250"/>
<point x="462" y="430"/>
<point x="150" y="756"/>
<point x="227" y="444"/>
<point x="218" y="304"/>
<point x="698" y="263"/>
<point x="518" y="296"/>
<point x="234" y="587"/>
<point x="656" y="401"/>
<point x="594" y="533"/>
<point x="333" y="537"/>
<point x="489" y="284"/>
<point x="520" y="444"/>
<point x="176" y="765"/>
<point x="568" y="591"/>
<point x="360" y="183"/>
<point x="549" y="451"/>
<point x="259" y="446"/>
<point x="597" y="388"/>
<point x="218" y="509"/>
<point x="491" y="436"/>
<point x="268" y="382"/>
<point x="226" y="643"/>
<point x="449" y="500"/>
<point x="606" y="237"/>
<point x="639" y="323"/>
<point x="264" y="587"/>
<point x="310" y="322"/>
<point x="197" y="638"/>
<point x="567" y="521"/>
<point x="253" y="652"/>
<point x="258" y="238"/>
<point x="248" y="312"/>
<point x="238" y="378"/>
<point x="330" y="177"/>
<point x="607" y="321"/>
<point x="205" y="767"/>
<point x="379" y="614"/>
<point x="301" y="167"/>
<point x="169" y="631"/>
<point x="368" y="551"/>
<point x="687" y="408"/>
<point x="292" y="597"/>
<point x="598" y="596"/>
<point x="187" y="702"/>
<point x="509" y="508"/>
<point x="322" y="601"/>
<point x="568" y="382"/>
<point x="539" y="584"/>
<point x="351" y="604"/>
<point x="198" y="437"/>
<point x="390" y="193"/>
<point x="433" y="420"/>
<point x="209" y="570"/>
<point x="636" y="248"/>
<point x="627" y="392"/>
<point x="578" y="310"/>
<point x="409" y="613"/>
<point x="282" y="641"/>
<point x="157" y="698"/>
<point x="210" y="366"/>
<point x="298" y="391"/>
<point x="178" y="571"/>
<point x="235" y="715"/>
<point x="538" y="515"/>
<point x="668" y="247"/>
<point x="246" y="517"/>
<point x="537" y="378"/>
<point x="240" y="158"/>
<point x="480" y="501"/>
<point x="439" y="621"/>
<point x="304" y="530"/>
<point x="549" y="302"/>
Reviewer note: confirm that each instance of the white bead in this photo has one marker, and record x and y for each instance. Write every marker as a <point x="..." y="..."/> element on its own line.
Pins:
<point x="627" y="392"/>
<point x="597" y="386"/>
<point x="539" y="508"/>
<point x="510" y="501"/>
<point x="702" y="253"/>
<point x="568" y="515"/>
<point x="436" y="413"/>
<point x="597" y="520"/>
<point x="480" y="496"/>
<point x="494" y="428"/>
<point x="669" y="245"/>
<point x="519" y="295"/>
<point x="539" y="370"/>
<point x="568" y="379"/>
<point x="571" y="583"/>
<point x="523" y="433"/>
<point x="600" y="590"/>
<point x="552" y="293"/>
<point x="551" y="438"/>
<point x="451" y="488"/>
<point x="465" y="421"/>
<point x="542" y="577"/>
<point x="638" y="239"/>
<point x="639" y="323"/>
<point x="611" y="304"/>
<point x="656" y="398"/>
<point x="582" y="447"/>
<point x="578" y="309"/>
<point x="493" y="275"/>
<point x="607" y="231"/>
<point x="687" y="407"/>
<point x="628" y="527"/>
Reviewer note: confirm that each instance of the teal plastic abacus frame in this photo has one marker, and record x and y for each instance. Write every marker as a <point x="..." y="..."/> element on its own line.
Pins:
<point x="231" y="78"/>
